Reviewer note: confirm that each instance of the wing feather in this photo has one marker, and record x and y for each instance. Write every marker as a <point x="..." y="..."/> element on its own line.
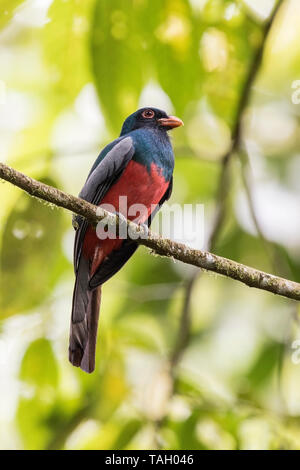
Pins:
<point x="99" y="181"/>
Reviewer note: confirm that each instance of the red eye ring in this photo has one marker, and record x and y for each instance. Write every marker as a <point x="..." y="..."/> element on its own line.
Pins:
<point x="148" y="114"/>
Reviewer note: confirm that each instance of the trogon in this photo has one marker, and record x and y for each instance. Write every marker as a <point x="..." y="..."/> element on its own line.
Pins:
<point x="137" y="168"/>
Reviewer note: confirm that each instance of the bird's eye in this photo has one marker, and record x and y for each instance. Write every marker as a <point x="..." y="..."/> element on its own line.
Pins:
<point x="148" y="114"/>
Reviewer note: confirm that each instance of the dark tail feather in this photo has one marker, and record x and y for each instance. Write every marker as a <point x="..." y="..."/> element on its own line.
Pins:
<point x="84" y="321"/>
<point x="88" y="360"/>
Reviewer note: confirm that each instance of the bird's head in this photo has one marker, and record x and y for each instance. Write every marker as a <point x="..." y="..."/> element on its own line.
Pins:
<point x="150" y="118"/>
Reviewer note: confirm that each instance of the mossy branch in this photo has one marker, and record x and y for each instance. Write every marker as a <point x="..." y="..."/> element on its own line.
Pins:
<point x="162" y="246"/>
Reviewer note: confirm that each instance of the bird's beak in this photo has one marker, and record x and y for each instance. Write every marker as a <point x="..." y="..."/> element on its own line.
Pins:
<point x="171" y="122"/>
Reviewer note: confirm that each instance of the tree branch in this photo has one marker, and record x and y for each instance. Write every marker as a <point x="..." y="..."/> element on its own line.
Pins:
<point x="162" y="246"/>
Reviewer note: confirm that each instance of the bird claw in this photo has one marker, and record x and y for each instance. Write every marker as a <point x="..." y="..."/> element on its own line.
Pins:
<point x="76" y="219"/>
<point x="122" y="225"/>
<point x="145" y="232"/>
<point x="121" y="217"/>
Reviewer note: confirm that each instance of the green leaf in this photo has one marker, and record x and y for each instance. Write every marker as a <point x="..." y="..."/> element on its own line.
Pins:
<point x="67" y="55"/>
<point x="264" y="365"/>
<point x="31" y="258"/>
<point x="118" y="57"/>
<point x="127" y="432"/>
<point x="202" y="178"/>
<point x="39" y="366"/>
<point x="31" y="416"/>
<point x="39" y="372"/>
<point x="186" y="432"/>
<point x="175" y="53"/>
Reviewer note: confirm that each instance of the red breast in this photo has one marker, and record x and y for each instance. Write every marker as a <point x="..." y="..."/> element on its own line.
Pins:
<point x="136" y="186"/>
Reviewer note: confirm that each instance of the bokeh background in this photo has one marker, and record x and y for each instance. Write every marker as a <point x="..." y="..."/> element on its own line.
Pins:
<point x="70" y="73"/>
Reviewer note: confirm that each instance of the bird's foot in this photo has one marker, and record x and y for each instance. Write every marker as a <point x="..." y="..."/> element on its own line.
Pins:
<point x="141" y="232"/>
<point x="124" y="229"/>
<point x="122" y="225"/>
<point x="144" y="232"/>
<point x="121" y="217"/>
<point x="76" y="219"/>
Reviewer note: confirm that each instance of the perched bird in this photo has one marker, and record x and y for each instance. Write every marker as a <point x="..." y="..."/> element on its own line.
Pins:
<point x="138" y="166"/>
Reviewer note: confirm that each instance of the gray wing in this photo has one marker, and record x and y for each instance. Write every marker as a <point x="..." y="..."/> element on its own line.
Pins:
<point x="99" y="181"/>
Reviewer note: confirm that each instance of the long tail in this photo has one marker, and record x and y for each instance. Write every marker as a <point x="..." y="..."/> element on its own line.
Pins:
<point x="84" y="321"/>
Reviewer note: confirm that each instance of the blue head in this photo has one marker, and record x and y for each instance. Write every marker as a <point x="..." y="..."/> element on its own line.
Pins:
<point x="152" y="118"/>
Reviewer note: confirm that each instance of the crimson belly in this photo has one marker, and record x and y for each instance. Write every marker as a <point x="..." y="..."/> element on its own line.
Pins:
<point x="140" y="193"/>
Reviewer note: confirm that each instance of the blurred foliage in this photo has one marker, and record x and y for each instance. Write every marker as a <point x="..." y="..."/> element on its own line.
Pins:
<point x="32" y="228"/>
<point x="71" y="71"/>
<point x="7" y="10"/>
